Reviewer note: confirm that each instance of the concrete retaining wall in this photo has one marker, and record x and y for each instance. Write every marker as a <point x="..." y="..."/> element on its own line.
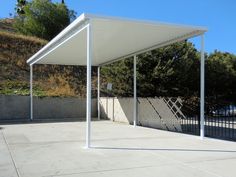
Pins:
<point x="117" y="109"/>
<point x="16" y="108"/>
<point x="152" y="112"/>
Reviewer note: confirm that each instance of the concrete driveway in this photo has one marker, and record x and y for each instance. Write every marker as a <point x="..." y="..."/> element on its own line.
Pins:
<point x="57" y="150"/>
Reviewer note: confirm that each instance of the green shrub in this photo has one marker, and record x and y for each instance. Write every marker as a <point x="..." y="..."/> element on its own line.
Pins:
<point x="43" y="18"/>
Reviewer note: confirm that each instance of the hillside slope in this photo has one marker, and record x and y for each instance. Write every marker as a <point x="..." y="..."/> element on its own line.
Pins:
<point x="6" y="25"/>
<point x="49" y="80"/>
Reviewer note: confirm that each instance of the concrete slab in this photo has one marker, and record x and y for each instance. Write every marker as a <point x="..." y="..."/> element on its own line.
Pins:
<point x="7" y="167"/>
<point x="57" y="149"/>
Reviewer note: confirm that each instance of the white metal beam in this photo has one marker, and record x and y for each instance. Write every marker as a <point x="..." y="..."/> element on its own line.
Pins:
<point x="202" y="96"/>
<point x="31" y="92"/>
<point x="98" y="93"/>
<point x="135" y="94"/>
<point x="88" y="108"/>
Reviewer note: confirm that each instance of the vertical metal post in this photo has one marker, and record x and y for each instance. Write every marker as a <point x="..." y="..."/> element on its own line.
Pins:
<point x="88" y="109"/>
<point x="31" y="92"/>
<point x="98" y="93"/>
<point x="135" y="94"/>
<point x="202" y="99"/>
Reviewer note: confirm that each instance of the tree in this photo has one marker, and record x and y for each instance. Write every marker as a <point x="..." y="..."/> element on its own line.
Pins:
<point x="172" y="71"/>
<point x="43" y="18"/>
<point x="168" y="71"/>
<point x="221" y="76"/>
<point x="20" y="7"/>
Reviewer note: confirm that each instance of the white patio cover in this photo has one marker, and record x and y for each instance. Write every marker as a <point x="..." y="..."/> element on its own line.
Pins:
<point x="112" y="38"/>
<point x="93" y="40"/>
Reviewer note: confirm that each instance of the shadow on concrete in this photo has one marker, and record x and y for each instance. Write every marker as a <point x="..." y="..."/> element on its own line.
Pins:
<point x="163" y="149"/>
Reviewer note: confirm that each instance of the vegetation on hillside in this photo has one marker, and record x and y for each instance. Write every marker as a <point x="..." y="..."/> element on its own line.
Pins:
<point x="42" y="18"/>
<point x="14" y="71"/>
<point x="6" y="25"/>
<point x="49" y="80"/>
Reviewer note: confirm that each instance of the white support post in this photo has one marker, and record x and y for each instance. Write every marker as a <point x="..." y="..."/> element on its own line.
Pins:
<point x="202" y="96"/>
<point x="135" y="94"/>
<point x="31" y="92"/>
<point x="98" y="93"/>
<point x="88" y="109"/>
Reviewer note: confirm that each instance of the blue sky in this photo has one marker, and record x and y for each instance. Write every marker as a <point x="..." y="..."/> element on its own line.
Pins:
<point x="219" y="16"/>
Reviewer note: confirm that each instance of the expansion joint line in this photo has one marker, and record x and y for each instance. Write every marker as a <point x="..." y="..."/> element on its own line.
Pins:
<point x="12" y="159"/>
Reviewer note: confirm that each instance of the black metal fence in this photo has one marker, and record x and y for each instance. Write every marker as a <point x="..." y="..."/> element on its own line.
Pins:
<point x="220" y="121"/>
<point x="190" y="125"/>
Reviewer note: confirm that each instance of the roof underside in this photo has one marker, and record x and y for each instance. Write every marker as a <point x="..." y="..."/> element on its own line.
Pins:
<point x="112" y="39"/>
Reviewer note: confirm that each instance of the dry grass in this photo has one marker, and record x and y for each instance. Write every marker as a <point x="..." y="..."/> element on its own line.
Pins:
<point x="16" y="36"/>
<point x="57" y="85"/>
<point x="6" y="25"/>
<point x="49" y="80"/>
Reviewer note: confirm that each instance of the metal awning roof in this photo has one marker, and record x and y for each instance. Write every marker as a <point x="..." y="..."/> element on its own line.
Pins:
<point x="112" y="38"/>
